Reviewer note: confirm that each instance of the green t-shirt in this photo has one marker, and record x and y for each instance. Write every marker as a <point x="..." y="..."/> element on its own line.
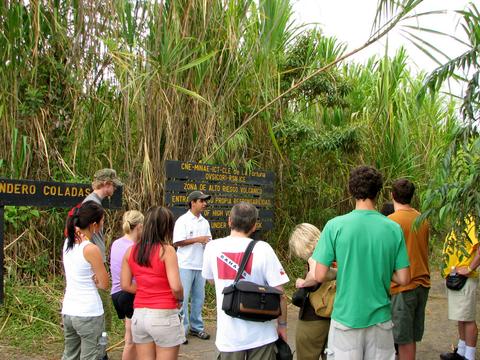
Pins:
<point x="368" y="247"/>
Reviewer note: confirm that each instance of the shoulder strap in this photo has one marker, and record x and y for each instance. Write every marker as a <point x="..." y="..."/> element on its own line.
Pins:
<point x="243" y="263"/>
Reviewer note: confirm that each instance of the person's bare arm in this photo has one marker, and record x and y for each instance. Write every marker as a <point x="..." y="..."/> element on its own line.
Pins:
<point x="282" y="319"/>
<point x="198" y="239"/>
<point x="321" y="272"/>
<point x="402" y="276"/>
<point x="466" y="270"/>
<point x="126" y="282"/>
<point x="173" y="273"/>
<point x="310" y="278"/>
<point x="92" y="254"/>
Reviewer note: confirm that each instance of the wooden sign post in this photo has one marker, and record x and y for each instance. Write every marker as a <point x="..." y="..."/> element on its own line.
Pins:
<point x="226" y="185"/>
<point x="43" y="194"/>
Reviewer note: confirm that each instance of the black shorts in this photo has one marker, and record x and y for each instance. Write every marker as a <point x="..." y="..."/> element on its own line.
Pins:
<point x="123" y="302"/>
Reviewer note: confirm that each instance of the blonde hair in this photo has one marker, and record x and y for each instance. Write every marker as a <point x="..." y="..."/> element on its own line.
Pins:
<point x="303" y="240"/>
<point x="98" y="184"/>
<point x="131" y="219"/>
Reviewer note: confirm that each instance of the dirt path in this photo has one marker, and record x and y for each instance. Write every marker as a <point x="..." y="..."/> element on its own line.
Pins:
<point x="439" y="334"/>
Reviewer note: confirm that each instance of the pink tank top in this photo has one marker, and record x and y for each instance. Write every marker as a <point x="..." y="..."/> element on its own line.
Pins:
<point x="153" y="290"/>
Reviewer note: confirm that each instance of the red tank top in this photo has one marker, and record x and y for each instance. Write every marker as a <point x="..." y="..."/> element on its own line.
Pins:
<point x="153" y="290"/>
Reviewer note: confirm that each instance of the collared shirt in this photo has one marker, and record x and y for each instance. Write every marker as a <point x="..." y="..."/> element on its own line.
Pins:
<point x="189" y="226"/>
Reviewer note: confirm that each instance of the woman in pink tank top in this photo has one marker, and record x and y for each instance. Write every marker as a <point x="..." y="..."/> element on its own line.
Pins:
<point x="156" y="328"/>
<point x="132" y="225"/>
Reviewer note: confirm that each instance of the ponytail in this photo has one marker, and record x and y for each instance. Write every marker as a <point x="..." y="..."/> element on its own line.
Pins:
<point x="81" y="216"/>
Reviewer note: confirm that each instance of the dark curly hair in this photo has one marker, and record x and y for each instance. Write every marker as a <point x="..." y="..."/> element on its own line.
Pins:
<point x="402" y="191"/>
<point x="365" y="182"/>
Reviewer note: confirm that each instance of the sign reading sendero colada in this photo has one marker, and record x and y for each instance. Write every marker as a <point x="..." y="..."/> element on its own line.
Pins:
<point x="51" y="194"/>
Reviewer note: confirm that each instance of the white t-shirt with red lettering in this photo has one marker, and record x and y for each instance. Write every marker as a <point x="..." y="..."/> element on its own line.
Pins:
<point x="221" y="260"/>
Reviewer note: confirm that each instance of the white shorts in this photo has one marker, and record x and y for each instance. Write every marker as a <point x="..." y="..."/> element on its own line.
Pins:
<point x="373" y="343"/>
<point x="161" y="326"/>
<point x="462" y="304"/>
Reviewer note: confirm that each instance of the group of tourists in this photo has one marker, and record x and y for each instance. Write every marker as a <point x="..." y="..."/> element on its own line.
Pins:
<point x="376" y="269"/>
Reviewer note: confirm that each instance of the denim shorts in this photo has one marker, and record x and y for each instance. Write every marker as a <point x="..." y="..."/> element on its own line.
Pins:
<point x="161" y="326"/>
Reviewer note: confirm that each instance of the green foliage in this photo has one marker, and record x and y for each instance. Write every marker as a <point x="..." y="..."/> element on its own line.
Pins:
<point x="17" y="216"/>
<point x="139" y="83"/>
<point x="310" y="51"/>
<point x="454" y="195"/>
<point x="30" y="318"/>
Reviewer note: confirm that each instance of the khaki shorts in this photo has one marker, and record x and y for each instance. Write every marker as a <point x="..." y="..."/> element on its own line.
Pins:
<point x="373" y="343"/>
<point x="408" y="315"/>
<point x="161" y="326"/>
<point x="462" y="303"/>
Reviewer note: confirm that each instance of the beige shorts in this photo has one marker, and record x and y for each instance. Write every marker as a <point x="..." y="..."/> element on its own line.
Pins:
<point x="161" y="326"/>
<point x="373" y="343"/>
<point x="462" y="303"/>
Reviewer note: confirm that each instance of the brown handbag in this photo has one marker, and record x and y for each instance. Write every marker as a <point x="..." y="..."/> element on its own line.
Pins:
<point x="323" y="298"/>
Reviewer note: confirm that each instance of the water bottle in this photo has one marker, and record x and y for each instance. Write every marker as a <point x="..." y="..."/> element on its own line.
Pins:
<point x="453" y="271"/>
<point x="102" y="346"/>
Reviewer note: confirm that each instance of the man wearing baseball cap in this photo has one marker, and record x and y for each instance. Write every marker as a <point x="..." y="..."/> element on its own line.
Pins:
<point x="190" y="234"/>
<point x="105" y="181"/>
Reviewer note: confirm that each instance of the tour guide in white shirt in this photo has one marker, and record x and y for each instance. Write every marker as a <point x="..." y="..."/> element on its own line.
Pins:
<point x="190" y="234"/>
<point x="237" y="338"/>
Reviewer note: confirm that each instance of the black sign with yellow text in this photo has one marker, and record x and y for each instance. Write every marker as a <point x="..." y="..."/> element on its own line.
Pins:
<point x="51" y="194"/>
<point x="226" y="185"/>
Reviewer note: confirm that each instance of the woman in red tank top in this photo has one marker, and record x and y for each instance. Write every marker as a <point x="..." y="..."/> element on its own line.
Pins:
<point x="156" y="328"/>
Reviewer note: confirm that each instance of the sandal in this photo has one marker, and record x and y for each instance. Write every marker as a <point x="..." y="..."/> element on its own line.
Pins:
<point x="200" y="334"/>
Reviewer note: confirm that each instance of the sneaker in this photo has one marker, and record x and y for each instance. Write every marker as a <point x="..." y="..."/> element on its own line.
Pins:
<point x="185" y="342"/>
<point x="200" y="334"/>
<point x="452" y="356"/>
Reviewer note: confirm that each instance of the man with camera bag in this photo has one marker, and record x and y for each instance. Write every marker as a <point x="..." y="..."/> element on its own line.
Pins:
<point x="237" y="338"/>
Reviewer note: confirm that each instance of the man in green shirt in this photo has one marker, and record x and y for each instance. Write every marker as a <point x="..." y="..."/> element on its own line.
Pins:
<point x="370" y="252"/>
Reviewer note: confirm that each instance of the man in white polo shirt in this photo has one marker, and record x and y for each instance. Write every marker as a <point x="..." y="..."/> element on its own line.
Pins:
<point x="190" y="234"/>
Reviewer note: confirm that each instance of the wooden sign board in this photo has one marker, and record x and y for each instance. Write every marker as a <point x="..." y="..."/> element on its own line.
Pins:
<point x="226" y="185"/>
<point x="44" y="194"/>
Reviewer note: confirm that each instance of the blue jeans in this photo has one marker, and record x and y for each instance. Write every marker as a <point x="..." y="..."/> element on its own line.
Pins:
<point x="193" y="284"/>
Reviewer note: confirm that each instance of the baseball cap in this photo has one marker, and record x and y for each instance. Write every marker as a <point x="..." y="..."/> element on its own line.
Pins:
<point x="107" y="175"/>
<point x="195" y="195"/>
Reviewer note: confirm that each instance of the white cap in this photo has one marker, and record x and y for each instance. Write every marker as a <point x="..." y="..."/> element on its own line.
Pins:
<point x="104" y="334"/>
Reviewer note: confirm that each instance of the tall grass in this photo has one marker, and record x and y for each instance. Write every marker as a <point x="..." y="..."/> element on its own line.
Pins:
<point x="130" y="84"/>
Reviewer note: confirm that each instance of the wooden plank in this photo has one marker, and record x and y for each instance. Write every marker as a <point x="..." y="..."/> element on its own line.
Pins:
<point x="219" y="212"/>
<point x="222" y="225"/>
<point x="212" y="173"/>
<point x="187" y="186"/>
<point x="224" y="201"/>
<point x="17" y="192"/>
